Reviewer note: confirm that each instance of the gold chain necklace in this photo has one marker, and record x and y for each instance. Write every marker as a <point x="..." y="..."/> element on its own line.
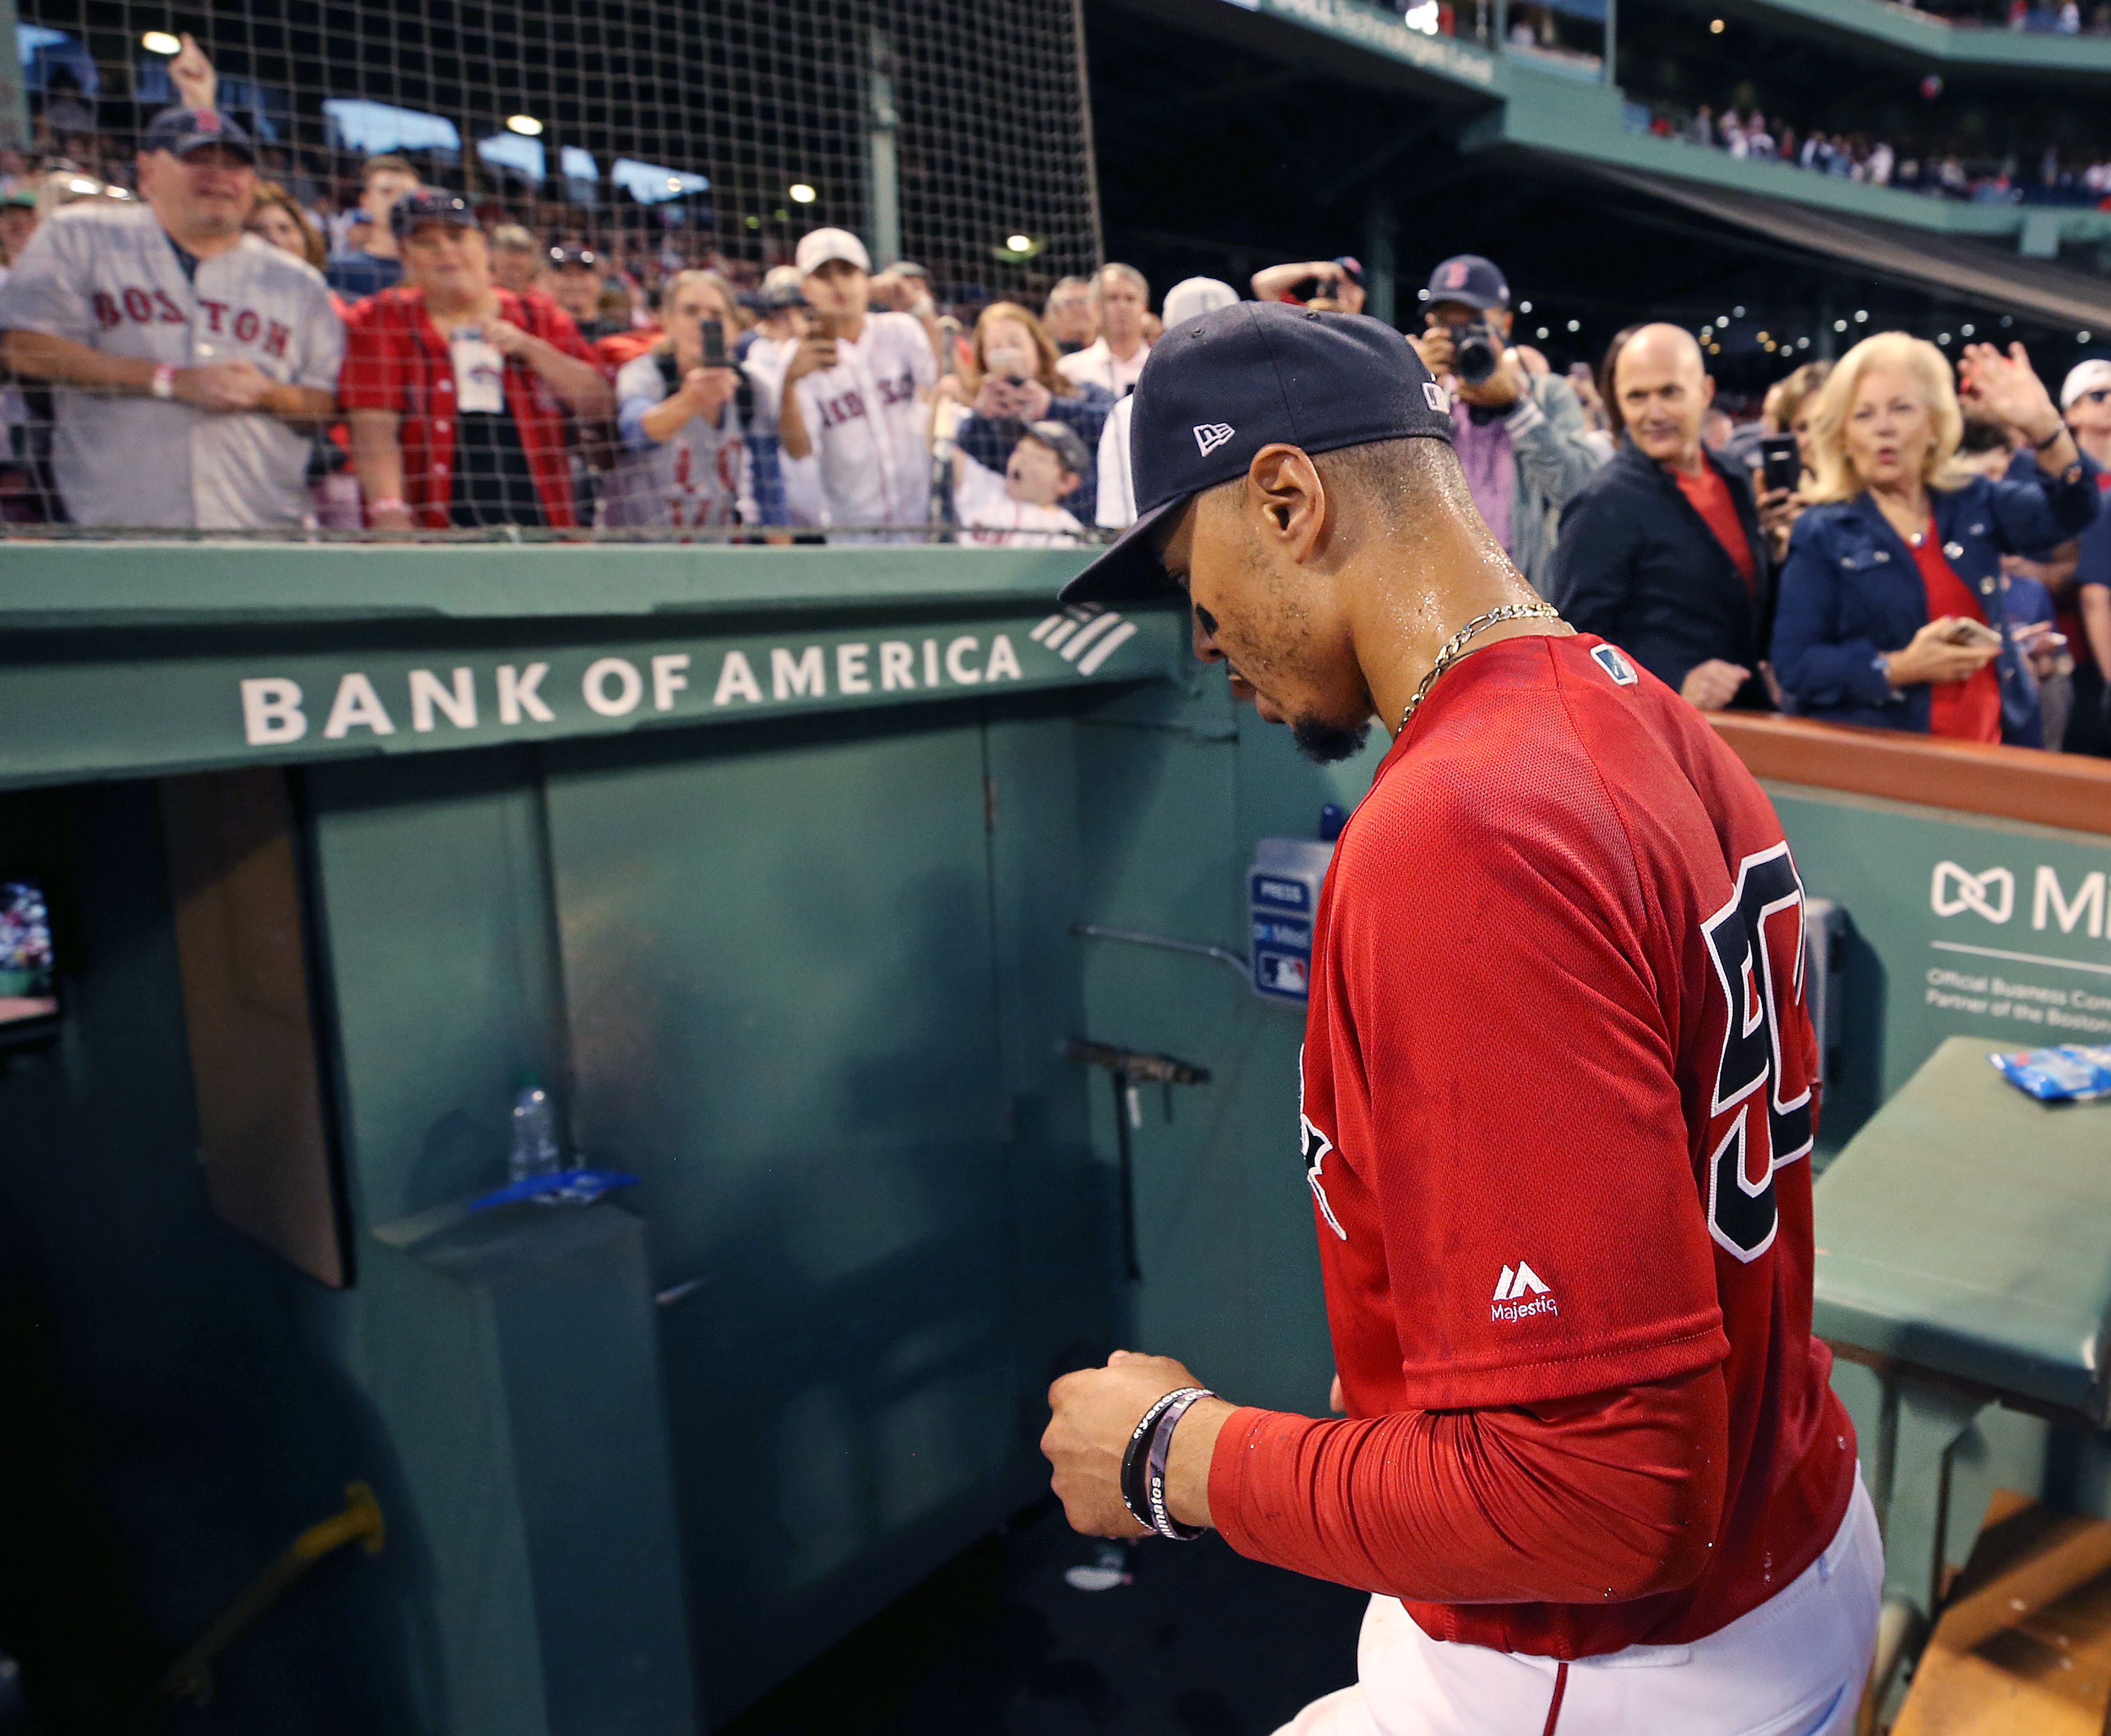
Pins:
<point x="1453" y="647"/>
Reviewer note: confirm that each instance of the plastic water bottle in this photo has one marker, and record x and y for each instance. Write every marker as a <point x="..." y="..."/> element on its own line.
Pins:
<point x="534" y="1134"/>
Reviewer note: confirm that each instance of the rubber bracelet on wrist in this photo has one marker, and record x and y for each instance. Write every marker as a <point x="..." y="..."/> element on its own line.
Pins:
<point x="1162" y="1521"/>
<point x="164" y="383"/>
<point x="1135" y="1495"/>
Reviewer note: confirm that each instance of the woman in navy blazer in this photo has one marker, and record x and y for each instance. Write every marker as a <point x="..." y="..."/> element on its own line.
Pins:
<point x="1855" y="639"/>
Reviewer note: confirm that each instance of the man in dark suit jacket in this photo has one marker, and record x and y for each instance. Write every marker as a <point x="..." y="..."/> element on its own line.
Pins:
<point x="1663" y="552"/>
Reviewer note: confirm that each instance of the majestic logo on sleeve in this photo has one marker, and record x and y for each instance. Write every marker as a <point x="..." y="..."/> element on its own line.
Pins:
<point x="1212" y="435"/>
<point x="1520" y="1294"/>
<point x="1316" y="1146"/>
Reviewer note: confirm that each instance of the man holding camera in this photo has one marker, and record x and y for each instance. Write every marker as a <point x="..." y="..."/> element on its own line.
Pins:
<point x="1521" y="437"/>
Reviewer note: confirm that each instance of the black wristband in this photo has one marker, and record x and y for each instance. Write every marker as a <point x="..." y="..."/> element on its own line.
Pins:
<point x="1162" y="1521"/>
<point x="2050" y="440"/>
<point x="1134" y="1492"/>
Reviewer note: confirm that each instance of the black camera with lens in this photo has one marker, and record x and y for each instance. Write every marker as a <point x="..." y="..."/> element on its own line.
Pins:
<point x="1475" y="352"/>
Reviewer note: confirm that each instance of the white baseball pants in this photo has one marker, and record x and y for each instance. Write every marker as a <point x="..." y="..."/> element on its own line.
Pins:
<point x="1794" y="1667"/>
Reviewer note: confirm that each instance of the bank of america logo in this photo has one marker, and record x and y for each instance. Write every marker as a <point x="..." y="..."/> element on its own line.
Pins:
<point x="1520" y="1292"/>
<point x="1212" y="435"/>
<point x="1084" y="636"/>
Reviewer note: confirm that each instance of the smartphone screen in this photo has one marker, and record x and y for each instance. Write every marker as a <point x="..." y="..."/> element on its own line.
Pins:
<point x="714" y="349"/>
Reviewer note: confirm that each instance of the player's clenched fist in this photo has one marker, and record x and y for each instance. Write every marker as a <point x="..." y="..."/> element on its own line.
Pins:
<point x="1096" y="1409"/>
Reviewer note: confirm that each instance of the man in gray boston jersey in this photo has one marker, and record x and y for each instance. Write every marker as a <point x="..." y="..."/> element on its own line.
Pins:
<point x="190" y="358"/>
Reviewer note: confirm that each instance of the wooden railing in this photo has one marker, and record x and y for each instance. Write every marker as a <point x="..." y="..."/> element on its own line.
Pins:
<point x="2051" y="789"/>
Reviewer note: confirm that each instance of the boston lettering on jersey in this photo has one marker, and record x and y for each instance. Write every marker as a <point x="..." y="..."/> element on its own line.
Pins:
<point x="846" y="405"/>
<point x="158" y="307"/>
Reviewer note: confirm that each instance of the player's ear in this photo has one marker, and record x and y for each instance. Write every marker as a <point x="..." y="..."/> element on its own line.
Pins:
<point x="1283" y="484"/>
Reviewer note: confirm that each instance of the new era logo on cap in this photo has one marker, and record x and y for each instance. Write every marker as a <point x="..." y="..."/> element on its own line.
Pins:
<point x="1212" y="435"/>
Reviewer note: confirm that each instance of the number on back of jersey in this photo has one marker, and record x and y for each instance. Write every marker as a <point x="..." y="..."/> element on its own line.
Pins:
<point x="1755" y="942"/>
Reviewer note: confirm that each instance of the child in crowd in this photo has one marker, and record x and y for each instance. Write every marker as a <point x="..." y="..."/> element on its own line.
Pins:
<point x="1019" y="509"/>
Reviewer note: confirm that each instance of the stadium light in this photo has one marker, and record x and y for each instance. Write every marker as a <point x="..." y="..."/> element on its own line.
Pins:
<point x="526" y="125"/>
<point x="1861" y="316"/>
<point x="159" y="42"/>
<point x="801" y="192"/>
<point x="1542" y="331"/>
<point x="1840" y="326"/>
<point x="1942" y="337"/>
<point x="1523" y="306"/>
<point x="1576" y="325"/>
<point x="1714" y="27"/>
<point x="1018" y="243"/>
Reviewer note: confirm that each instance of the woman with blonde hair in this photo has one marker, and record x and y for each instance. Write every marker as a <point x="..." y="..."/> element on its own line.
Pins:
<point x="1893" y="609"/>
<point x="1014" y="382"/>
<point x="1793" y="401"/>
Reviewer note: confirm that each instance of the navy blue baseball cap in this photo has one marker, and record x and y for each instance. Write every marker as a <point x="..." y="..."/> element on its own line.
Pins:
<point x="428" y="206"/>
<point x="180" y="131"/>
<point x="1218" y="388"/>
<point x="1468" y="278"/>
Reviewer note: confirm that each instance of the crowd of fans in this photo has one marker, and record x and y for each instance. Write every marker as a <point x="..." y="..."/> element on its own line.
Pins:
<point x="1892" y="542"/>
<point x="2061" y="17"/>
<point x="2051" y="180"/>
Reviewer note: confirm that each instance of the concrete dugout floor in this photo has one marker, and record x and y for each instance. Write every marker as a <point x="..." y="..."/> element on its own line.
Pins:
<point x="1204" y="1643"/>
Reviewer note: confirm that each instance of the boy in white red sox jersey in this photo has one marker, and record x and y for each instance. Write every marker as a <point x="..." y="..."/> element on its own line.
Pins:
<point x="855" y="415"/>
<point x="189" y="357"/>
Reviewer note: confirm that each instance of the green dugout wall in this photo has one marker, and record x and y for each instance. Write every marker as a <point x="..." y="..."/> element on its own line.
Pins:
<point x="769" y="861"/>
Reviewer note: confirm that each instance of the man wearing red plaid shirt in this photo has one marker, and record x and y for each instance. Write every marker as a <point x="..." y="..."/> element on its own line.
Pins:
<point x="458" y="390"/>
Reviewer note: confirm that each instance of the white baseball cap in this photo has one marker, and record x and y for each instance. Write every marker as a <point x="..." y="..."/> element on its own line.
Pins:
<point x="818" y="246"/>
<point x="1193" y="297"/>
<point x="2085" y="376"/>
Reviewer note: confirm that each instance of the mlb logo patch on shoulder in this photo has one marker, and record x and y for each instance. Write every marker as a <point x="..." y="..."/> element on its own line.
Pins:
<point x="1615" y="664"/>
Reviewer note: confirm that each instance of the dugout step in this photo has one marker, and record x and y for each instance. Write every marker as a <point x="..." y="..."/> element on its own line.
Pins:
<point x="2024" y="1643"/>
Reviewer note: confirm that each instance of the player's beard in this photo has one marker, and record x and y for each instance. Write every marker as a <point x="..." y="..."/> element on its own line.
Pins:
<point x="1325" y="742"/>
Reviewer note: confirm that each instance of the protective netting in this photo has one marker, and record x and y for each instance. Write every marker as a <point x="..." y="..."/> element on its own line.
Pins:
<point x="652" y="137"/>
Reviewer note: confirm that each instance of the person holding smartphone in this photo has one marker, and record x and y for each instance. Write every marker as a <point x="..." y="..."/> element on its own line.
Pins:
<point x="682" y="409"/>
<point x="1012" y="382"/>
<point x="854" y="413"/>
<point x="1892" y="610"/>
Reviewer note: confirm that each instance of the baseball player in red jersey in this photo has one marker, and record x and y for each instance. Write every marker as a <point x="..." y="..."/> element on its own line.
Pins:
<point x="1558" y="1094"/>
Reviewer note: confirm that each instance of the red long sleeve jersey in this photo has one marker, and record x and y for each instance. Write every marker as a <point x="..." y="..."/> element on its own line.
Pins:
<point x="1557" y="1099"/>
